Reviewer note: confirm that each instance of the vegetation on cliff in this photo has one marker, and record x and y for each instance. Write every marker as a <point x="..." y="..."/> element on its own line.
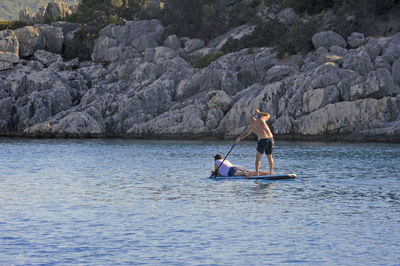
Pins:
<point x="11" y="24"/>
<point x="207" y="19"/>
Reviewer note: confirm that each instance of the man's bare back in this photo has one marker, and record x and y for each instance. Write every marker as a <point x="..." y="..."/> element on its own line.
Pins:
<point x="261" y="129"/>
<point x="258" y="127"/>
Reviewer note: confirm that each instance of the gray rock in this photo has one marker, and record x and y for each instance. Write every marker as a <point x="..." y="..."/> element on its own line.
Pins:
<point x="318" y="98"/>
<point x="9" y="47"/>
<point x="347" y="79"/>
<point x="149" y="54"/>
<point x="378" y="84"/>
<point x="373" y="48"/>
<point x="381" y="62"/>
<point x="47" y="58"/>
<point x="193" y="44"/>
<point x="39" y="37"/>
<point x="24" y="16"/>
<point x="127" y="41"/>
<point x="392" y="50"/>
<point x="325" y="75"/>
<point x="65" y="26"/>
<point x="213" y="118"/>
<point x="279" y="72"/>
<point x="187" y="121"/>
<point x="5" y="65"/>
<point x="155" y="92"/>
<point x="163" y="52"/>
<point x="54" y="10"/>
<point x="287" y="16"/>
<point x="283" y="125"/>
<point x="218" y="100"/>
<point x="30" y="40"/>
<point x="57" y="9"/>
<point x="338" y="50"/>
<point x="396" y="71"/>
<point x="172" y="42"/>
<point x="327" y="39"/>
<point x="107" y="50"/>
<point x="5" y="113"/>
<point x="236" y="33"/>
<point x="359" y="62"/>
<point x="78" y="124"/>
<point x="344" y="117"/>
<point x="356" y="40"/>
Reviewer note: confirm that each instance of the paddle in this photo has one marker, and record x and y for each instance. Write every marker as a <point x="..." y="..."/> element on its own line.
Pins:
<point x="216" y="171"/>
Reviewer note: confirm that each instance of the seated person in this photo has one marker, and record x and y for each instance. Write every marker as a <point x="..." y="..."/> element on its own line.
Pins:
<point x="228" y="169"/>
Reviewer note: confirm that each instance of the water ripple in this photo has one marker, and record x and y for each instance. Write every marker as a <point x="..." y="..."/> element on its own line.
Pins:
<point x="150" y="202"/>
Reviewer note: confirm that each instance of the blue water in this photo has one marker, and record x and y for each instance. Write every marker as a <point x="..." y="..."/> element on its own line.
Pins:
<point x="107" y="202"/>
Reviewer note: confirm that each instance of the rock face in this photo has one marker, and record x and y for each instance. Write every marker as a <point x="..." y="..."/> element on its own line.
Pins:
<point x="9" y="47"/>
<point x="39" y="37"/>
<point x="128" y="41"/>
<point x="136" y="88"/>
<point x="54" y="10"/>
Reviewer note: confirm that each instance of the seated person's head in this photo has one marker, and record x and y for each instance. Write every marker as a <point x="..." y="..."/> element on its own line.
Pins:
<point x="218" y="157"/>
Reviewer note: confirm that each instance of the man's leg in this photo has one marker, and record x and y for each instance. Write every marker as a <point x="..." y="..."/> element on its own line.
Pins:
<point x="242" y="172"/>
<point x="270" y="163"/>
<point x="253" y="173"/>
<point x="257" y="164"/>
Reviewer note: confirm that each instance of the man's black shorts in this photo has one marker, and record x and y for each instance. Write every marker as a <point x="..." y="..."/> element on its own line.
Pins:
<point x="265" y="145"/>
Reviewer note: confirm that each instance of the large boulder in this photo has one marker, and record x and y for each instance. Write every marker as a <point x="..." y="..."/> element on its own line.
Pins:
<point x="187" y="121"/>
<point x="172" y="42"/>
<point x="279" y="72"/>
<point x="218" y="100"/>
<point x="325" y="75"/>
<point x="193" y="44"/>
<point x="318" y="98"/>
<point x="373" y="48"/>
<point x="57" y="9"/>
<point x="54" y="38"/>
<point x="39" y="37"/>
<point x="54" y="10"/>
<point x="76" y="124"/>
<point x="356" y="40"/>
<point x="348" y="117"/>
<point x="327" y="39"/>
<point x="377" y="84"/>
<point x="287" y="16"/>
<point x="127" y="41"/>
<point x="9" y="47"/>
<point x="47" y="58"/>
<point x="359" y="62"/>
<point x="30" y="40"/>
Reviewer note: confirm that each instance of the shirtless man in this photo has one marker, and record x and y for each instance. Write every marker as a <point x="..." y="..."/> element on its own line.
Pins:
<point x="265" y="139"/>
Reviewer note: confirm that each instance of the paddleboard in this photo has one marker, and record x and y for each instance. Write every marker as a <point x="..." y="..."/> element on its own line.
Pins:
<point x="260" y="177"/>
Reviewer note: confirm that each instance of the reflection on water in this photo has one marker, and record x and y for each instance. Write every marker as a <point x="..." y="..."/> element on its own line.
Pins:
<point x="132" y="202"/>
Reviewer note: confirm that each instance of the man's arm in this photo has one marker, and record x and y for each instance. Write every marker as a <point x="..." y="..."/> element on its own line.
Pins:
<point x="264" y="115"/>
<point x="244" y="134"/>
<point x="215" y="168"/>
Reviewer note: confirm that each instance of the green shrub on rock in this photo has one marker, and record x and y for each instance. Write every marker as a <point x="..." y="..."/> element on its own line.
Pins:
<point x="205" y="60"/>
<point x="287" y="38"/>
<point x="11" y="25"/>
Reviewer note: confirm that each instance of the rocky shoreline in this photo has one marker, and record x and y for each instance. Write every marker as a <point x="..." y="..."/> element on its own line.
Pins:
<point x="141" y="86"/>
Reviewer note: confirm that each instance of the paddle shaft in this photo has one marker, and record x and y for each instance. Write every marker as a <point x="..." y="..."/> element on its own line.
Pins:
<point x="216" y="171"/>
